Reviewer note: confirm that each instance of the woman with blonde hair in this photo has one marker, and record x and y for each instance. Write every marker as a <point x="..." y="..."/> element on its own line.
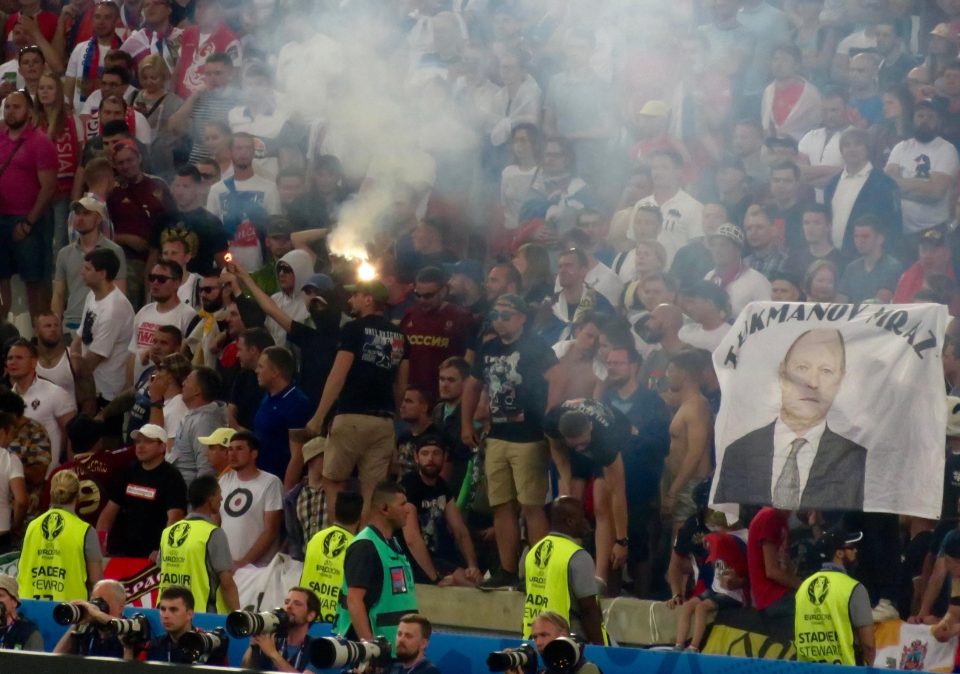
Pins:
<point x="61" y="558"/>
<point x="157" y="104"/>
<point x="69" y="136"/>
<point x="820" y="282"/>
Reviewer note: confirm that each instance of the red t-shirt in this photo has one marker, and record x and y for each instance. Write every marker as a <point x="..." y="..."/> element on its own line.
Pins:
<point x="140" y="209"/>
<point x="434" y="337"/>
<point x="726" y="551"/>
<point x="784" y="99"/>
<point x="769" y="526"/>
<point x="47" y="21"/>
<point x="19" y="185"/>
<point x="97" y="473"/>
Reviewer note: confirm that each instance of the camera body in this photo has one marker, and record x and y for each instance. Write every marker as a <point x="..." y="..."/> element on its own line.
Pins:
<point x="241" y="624"/>
<point x="335" y="653"/>
<point x="523" y="657"/>
<point x="130" y="630"/>
<point x="68" y="613"/>
<point x="202" y="646"/>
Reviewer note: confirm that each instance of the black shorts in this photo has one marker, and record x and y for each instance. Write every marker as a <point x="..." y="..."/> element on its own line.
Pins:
<point x="721" y="600"/>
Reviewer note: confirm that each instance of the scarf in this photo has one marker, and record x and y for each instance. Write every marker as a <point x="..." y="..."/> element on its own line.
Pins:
<point x="189" y="76"/>
<point x="92" y="70"/>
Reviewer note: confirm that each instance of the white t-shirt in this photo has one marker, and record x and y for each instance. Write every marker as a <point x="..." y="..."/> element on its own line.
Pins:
<point x="46" y="402"/>
<point x="75" y="69"/>
<point x="244" y="504"/>
<point x="174" y="410"/>
<point x="148" y="319"/>
<point x="245" y="242"/>
<point x="106" y="328"/>
<point x="10" y="468"/>
<point x="694" y="335"/>
<point x="750" y="286"/>
<point x="919" y="160"/>
<point x="188" y="289"/>
<point x="602" y="279"/>
<point x="682" y="221"/>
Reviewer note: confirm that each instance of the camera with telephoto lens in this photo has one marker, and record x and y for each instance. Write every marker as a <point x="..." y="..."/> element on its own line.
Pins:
<point x="333" y="652"/>
<point x="71" y="614"/>
<point x="135" y="629"/>
<point x="524" y="657"/>
<point x="202" y="646"/>
<point x="242" y="624"/>
<point x="563" y="654"/>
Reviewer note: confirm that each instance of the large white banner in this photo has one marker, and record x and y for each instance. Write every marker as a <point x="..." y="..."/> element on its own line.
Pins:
<point x="832" y="407"/>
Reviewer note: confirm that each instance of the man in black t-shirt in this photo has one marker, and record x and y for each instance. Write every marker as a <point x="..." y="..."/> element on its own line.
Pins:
<point x="434" y="529"/>
<point x="586" y="438"/>
<point x="515" y="369"/>
<point x="246" y="393"/>
<point x="365" y="384"/>
<point x="148" y="498"/>
<point x="187" y="191"/>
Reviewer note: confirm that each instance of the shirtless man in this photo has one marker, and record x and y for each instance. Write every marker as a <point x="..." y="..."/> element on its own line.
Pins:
<point x="576" y="370"/>
<point x="53" y="361"/>
<point x="689" y="459"/>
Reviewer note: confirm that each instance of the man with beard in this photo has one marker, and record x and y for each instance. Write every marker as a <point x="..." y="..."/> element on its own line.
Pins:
<point x="833" y="609"/>
<point x="413" y="637"/>
<point x="53" y="359"/>
<point x="213" y="320"/>
<point x="316" y="336"/>
<point x="27" y="186"/>
<point x="435" y="536"/>
<point x="661" y="326"/>
<point x="290" y="652"/>
<point x="925" y="169"/>
<point x="365" y="385"/>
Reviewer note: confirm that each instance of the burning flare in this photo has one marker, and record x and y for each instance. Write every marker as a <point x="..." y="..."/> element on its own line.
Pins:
<point x="366" y="271"/>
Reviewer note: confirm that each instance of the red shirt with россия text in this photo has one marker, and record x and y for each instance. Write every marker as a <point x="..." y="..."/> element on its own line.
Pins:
<point x="435" y="336"/>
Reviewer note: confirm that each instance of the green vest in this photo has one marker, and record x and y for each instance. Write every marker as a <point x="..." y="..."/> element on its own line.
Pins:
<point x="822" y="628"/>
<point x="547" y="580"/>
<point x="398" y="595"/>
<point x="183" y="561"/>
<point x="323" y="568"/>
<point x="53" y="565"/>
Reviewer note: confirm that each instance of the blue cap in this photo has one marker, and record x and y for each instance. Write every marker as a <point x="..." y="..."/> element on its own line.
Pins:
<point x="472" y="269"/>
<point x="321" y="282"/>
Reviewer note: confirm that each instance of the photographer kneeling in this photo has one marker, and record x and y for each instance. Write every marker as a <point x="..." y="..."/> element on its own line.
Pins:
<point x="547" y="627"/>
<point x="90" y="635"/>
<point x="176" y="607"/>
<point x="286" y="650"/>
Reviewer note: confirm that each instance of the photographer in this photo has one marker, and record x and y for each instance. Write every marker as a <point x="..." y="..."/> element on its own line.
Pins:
<point x="16" y="632"/>
<point x="88" y="636"/>
<point x="547" y="627"/>
<point x="176" y="618"/>
<point x="413" y="637"/>
<point x="286" y="651"/>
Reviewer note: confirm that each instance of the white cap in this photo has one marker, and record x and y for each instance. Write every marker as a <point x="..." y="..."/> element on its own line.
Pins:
<point x="150" y="431"/>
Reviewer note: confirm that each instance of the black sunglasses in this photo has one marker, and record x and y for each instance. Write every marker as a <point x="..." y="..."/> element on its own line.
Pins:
<point x="208" y="289"/>
<point x="427" y="296"/>
<point x="159" y="278"/>
<point x="502" y="315"/>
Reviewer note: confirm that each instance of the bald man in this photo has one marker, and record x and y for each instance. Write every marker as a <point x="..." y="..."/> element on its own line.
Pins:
<point x="796" y="461"/>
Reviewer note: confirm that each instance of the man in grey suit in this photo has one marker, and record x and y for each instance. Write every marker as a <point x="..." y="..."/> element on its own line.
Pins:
<point x="796" y="461"/>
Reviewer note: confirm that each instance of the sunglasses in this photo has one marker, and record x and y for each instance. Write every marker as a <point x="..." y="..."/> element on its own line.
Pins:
<point x="208" y="289"/>
<point x="159" y="278"/>
<point x="502" y="315"/>
<point x="427" y="296"/>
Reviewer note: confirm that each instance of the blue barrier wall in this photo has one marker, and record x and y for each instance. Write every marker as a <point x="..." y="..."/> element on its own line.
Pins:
<point x="467" y="654"/>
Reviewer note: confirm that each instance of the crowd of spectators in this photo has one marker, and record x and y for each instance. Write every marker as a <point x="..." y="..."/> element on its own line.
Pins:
<point x="594" y="190"/>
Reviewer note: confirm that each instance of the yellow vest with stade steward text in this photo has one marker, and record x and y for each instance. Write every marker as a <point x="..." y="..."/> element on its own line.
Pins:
<point x="52" y="563"/>
<point x="822" y="628"/>
<point x="323" y="568"/>
<point x="183" y="561"/>
<point x="547" y="580"/>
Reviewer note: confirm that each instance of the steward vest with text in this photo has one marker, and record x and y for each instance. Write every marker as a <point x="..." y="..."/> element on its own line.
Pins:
<point x="323" y="568"/>
<point x="822" y="628"/>
<point x="397" y="596"/>
<point x="52" y="564"/>
<point x="546" y="578"/>
<point x="183" y="561"/>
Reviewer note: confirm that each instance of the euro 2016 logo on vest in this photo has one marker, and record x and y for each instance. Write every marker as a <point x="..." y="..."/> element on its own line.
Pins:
<point x="52" y="525"/>
<point x="818" y="590"/>
<point x="334" y="544"/>
<point x="178" y="535"/>
<point x="542" y="556"/>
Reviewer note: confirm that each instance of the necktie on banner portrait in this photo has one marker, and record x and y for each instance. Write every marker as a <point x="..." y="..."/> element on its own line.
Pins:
<point x="832" y="407"/>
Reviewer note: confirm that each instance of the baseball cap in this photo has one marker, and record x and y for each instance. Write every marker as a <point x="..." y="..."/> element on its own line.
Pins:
<point x="729" y="232"/>
<point x="515" y="302"/>
<point x="933" y="237"/>
<point x="375" y="289"/>
<point x="126" y="144"/>
<point x="654" y="109"/>
<point x="321" y="282"/>
<point x="279" y="226"/>
<point x="92" y="205"/>
<point x="472" y="269"/>
<point x="953" y="417"/>
<point x="151" y="431"/>
<point x="9" y="583"/>
<point x="221" y="436"/>
<point x="314" y="448"/>
<point x="836" y="539"/>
